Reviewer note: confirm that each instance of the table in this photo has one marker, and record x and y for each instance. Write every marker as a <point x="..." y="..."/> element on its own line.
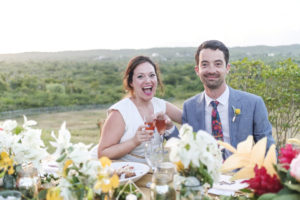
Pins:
<point x="142" y="184"/>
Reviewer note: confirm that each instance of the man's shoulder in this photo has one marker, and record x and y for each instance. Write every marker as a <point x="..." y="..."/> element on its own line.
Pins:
<point x="244" y="94"/>
<point x="193" y="99"/>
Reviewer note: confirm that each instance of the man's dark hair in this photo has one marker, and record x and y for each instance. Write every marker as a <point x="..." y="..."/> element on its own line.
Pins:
<point x="214" y="45"/>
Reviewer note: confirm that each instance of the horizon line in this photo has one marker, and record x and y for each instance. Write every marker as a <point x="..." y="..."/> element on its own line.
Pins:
<point x="120" y="49"/>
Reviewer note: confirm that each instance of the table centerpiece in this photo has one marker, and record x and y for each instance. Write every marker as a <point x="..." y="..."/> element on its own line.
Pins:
<point x="198" y="161"/>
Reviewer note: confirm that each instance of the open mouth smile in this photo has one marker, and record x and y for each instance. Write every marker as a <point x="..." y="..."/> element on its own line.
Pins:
<point x="147" y="90"/>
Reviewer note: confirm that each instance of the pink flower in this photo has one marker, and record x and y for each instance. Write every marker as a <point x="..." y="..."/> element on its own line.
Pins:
<point x="286" y="155"/>
<point x="263" y="183"/>
<point x="295" y="168"/>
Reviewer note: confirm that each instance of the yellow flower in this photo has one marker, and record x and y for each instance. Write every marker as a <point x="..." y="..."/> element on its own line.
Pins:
<point x="247" y="155"/>
<point x="107" y="184"/>
<point x="67" y="164"/>
<point x="105" y="161"/>
<point x="115" y="181"/>
<point x="179" y="166"/>
<point x="237" y="111"/>
<point x="53" y="194"/>
<point x="6" y="162"/>
<point x="294" y="141"/>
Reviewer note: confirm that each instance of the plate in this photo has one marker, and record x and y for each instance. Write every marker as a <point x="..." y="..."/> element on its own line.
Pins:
<point x="140" y="170"/>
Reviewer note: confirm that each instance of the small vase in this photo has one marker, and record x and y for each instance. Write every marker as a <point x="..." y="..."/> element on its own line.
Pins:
<point x="192" y="189"/>
<point x="27" y="182"/>
<point x="9" y="182"/>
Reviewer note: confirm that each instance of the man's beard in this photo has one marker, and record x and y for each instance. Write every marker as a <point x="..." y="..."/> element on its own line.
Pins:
<point x="212" y="84"/>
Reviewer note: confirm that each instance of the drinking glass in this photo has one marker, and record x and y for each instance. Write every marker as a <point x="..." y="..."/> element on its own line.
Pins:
<point x="162" y="187"/>
<point x="153" y="147"/>
<point x="150" y="122"/>
<point x="153" y="153"/>
<point x="160" y="124"/>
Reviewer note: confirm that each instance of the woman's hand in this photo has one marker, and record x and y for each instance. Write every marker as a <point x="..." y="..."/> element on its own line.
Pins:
<point x="163" y="126"/>
<point x="142" y="135"/>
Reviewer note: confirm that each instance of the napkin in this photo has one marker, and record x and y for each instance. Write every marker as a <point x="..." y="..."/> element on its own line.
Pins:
<point x="227" y="187"/>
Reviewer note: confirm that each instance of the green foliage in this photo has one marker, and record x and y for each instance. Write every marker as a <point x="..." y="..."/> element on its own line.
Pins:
<point x="279" y="86"/>
<point x="55" y="88"/>
<point x="122" y="191"/>
<point x="95" y="77"/>
<point x="239" y="197"/>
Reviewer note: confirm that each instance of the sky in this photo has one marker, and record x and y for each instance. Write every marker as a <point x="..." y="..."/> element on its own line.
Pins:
<point x="61" y="25"/>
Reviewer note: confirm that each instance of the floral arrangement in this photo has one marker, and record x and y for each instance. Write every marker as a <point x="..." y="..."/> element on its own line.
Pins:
<point x="246" y="156"/>
<point x="19" y="145"/>
<point x="266" y="178"/>
<point x="285" y="184"/>
<point x="197" y="157"/>
<point x="80" y="176"/>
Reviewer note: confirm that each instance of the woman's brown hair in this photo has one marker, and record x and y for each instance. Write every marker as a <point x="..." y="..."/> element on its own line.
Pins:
<point x="132" y="64"/>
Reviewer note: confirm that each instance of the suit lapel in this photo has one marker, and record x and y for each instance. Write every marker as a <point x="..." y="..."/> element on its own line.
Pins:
<point x="234" y="101"/>
<point x="200" y="112"/>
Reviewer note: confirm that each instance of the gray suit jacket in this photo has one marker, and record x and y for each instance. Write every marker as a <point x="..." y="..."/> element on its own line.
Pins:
<point x="253" y="119"/>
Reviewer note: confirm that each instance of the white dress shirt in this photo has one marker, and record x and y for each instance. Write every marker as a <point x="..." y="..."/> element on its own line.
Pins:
<point x="223" y="112"/>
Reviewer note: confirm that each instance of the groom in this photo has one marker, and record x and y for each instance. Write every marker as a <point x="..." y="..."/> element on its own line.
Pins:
<point x="228" y="114"/>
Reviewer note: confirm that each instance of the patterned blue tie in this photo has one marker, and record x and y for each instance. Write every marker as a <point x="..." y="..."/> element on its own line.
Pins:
<point x="216" y="125"/>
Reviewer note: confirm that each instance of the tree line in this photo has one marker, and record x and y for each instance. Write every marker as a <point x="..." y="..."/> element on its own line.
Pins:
<point x="47" y="83"/>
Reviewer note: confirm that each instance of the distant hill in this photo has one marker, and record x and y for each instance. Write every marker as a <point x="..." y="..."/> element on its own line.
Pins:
<point x="185" y="54"/>
<point x="93" y="77"/>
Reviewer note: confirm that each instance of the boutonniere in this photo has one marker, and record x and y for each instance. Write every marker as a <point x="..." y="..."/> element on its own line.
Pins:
<point x="236" y="112"/>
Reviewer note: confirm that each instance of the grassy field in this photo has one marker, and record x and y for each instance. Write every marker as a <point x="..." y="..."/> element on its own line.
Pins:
<point x="83" y="125"/>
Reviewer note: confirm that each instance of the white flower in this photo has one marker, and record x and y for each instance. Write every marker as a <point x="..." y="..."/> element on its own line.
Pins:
<point x="295" y="168"/>
<point x="27" y="146"/>
<point x="63" y="140"/>
<point x="65" y="192"/>
<point x="8" y="141"/>
<point x="29" y="123"/>
<point x="186" y="133"/>
<point x="80" y="153"/>
<point x="196" y="149"/>
<point x="91" y="168"/>
<point x="9" y="125"/>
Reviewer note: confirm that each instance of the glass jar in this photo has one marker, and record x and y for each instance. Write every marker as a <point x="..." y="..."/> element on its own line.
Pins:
<point x="162" y="182"/>
<point x="10" y="194"/>
<point x="27" y="182"/>
<point x="191" y="189"/>
<point x="9" y="182"/>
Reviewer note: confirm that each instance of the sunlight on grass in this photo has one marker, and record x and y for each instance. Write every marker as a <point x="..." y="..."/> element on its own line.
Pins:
<point x="81" y="124"/>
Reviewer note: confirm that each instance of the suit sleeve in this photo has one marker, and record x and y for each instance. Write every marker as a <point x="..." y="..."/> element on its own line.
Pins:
<point x="262" y="126"/>
<point x="184" y="114"/>
<point x="175" y="133"/>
